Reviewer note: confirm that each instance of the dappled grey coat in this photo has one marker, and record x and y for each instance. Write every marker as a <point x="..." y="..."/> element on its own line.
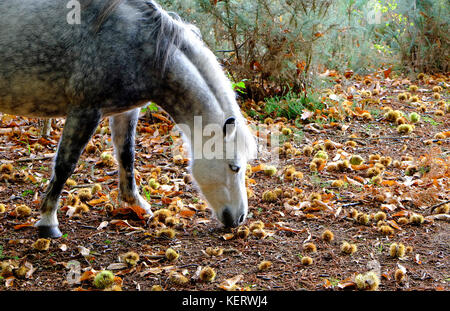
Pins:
<point x="48" y="64"/>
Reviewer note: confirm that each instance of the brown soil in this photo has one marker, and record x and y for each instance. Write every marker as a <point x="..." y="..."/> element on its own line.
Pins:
<point x="426" y="266"/>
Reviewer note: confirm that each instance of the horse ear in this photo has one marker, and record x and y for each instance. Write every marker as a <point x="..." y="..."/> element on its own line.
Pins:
<point x="229" y="128"/>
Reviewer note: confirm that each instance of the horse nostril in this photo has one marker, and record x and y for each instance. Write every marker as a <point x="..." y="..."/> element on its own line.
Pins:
<point x="241" y="218"/>
<point x="227" y="217"/>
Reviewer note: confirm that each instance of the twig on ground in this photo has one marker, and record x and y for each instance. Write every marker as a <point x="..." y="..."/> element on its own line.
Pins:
<point x="385" y="138"/>
<point x="45" y="157"/>
<point x="352" y="204"/>
<point x="432" y="208"/>
<point x="439" y="217"/>
<point x="90" y="185"/>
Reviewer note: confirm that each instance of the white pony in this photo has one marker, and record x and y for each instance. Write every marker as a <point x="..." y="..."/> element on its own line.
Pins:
<point x="123" y="54"/>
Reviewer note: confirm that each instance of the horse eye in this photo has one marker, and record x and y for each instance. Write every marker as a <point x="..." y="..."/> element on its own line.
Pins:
<point x="234" y="168"/>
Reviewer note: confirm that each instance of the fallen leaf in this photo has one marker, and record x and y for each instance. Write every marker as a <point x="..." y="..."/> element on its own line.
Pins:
<point x="386" y="276"/>
<point x="30" y="268"/>
<point x="387" y="72"/>
<point x="327" y="284"/>
<point x="347" y="285"/>
<point x="117" y="266"/>
<point x="258" y="168"/>
<point x="334" y="97"/>
<point x="283" y="228"/>
<point x="353" y="181"/>
<point x="394" y="224"/>
<point x="186" y="213"/>
<point x="388" y="207"/>
<point x="121" y="211"/>
<point x="87" y="275"/>
<point x="227" y="236"/>
<point x="139" y="211"/>
<point x="95" y="202"/>
<point x="161" y="117"/>
<point x="202" y="220"/>
<point x="84" y="251"/>
<point x="311" y="216"/>
<point x="124" y="223"/>
<point x="81" y="289"/>
<point x="25" y="225"/>
<point x="318" y="34"/>
<point x="348" y="74"/>
<point x="361" y="167"/>
<point x="401" y="214"/>
<point x="417" y="259"/>
<point x="157" y="270"/>
<point x="388" y="183"/>
<point x="306" y="114"/>
<point x="230" y="284"/>
<point x="102" y="225"/>
<point x="9" y="281"/>
<point x="444" y="217"/>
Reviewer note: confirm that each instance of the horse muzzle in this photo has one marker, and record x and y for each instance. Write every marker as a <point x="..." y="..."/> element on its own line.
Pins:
<point x="229" y="219"/>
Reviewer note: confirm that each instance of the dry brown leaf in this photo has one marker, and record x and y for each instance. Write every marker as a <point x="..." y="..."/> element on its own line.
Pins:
<point x="230" y="284"/>
<point x="157" y="270"/>
<point x="84" y="251"/>
<point x="117" y="266"/>
<point x="327" y="284"/>
<point x="9" y="281"/>
<point x="186" y="213"/>
<point x="25" y="225"/>
<point x="139" y="211"/>
<point x="87" y="275"/>
<point x="444" y="217"/>
<point x="102" y="225"/>
<point x="403" y="213"/>
<point x="124" y="223"/>
<point x="95" y="202"/>
<point x="227" y="236"/>
<point x="347" y="285"/>
<point x="394" y="224"/>
<point x="30" y="268"/>
<point x="283" y="228"/>
<point x="388" y="207"/>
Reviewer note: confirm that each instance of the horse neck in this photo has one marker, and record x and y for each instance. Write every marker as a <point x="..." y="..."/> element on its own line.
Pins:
<point x="190" y="101"/>
<point x="196" y="129"/>
<point x="206" y="63"/>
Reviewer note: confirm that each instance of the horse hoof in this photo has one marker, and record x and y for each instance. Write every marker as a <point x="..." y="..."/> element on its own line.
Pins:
<point x="49" y="232"/>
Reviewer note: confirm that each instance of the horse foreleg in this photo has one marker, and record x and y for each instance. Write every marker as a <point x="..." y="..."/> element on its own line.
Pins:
<point x="80" y="126"/>
<point x="46" y="127"/>
<point x="123" y="129"/>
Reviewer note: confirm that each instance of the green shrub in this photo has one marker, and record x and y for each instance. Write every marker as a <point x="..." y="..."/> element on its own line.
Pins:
<point x="291" y="105"/>
<point x="280" y="45"/>
<point x="417" y="33"/>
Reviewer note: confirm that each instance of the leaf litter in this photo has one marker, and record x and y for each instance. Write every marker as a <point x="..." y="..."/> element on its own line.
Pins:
<point x="399" y="174"/>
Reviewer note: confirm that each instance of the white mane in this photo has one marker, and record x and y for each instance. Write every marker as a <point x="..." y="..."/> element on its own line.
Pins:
<point x="171" y="33"/>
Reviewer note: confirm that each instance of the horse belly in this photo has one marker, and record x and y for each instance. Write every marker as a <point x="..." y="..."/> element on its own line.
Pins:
<point x="33" y="96"/>
<point x="34" y="60"/>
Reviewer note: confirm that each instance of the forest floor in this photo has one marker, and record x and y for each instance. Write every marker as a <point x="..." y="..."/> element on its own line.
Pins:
<point x="395" y="196"/>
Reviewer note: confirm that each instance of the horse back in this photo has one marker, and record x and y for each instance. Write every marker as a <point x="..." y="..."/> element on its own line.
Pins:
<point x="48" y="65"/>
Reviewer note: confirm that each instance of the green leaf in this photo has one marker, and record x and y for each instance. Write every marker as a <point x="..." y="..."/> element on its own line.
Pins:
<point x="152" y="107"/>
